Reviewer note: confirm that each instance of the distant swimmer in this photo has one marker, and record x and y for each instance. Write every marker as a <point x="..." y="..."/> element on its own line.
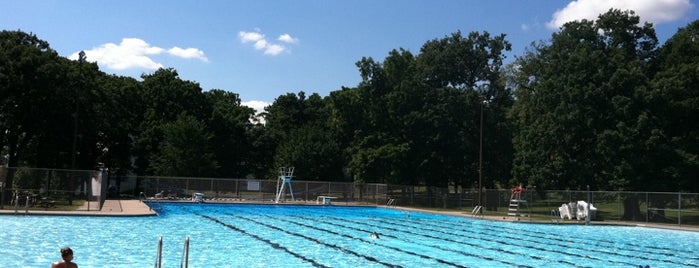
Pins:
<point x="67" y="262"/>
<point x="375" y="235"/>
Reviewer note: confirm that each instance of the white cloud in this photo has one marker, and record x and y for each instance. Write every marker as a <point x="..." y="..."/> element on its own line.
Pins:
<point x="654" y="11"/>
<point x="286" y="38"/>
<point x="260" y="42"/>
<point x="274" y="49"/>
<point x="259" y="107"/>
<point x="250" y="36"/>
<point x="134" y="53"/>
<point x="188" y="53"/>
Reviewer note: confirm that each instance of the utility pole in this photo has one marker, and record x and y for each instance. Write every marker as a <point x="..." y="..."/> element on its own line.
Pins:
<point x="480" y="161"/>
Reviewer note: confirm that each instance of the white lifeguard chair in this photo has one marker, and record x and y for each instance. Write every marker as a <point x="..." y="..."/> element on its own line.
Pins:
<point x="285" y="175"/>
<point x="516" y="201"/>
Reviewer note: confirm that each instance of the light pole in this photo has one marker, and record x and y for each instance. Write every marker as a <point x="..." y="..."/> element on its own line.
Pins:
<point x="480" y="161"/>
<point x="81" y="59"/>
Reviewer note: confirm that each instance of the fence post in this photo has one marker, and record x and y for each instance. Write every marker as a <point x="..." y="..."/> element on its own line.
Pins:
<point x="647" y="207"/>
<point x="679" y="208"/>
<point x="589" y="199"/>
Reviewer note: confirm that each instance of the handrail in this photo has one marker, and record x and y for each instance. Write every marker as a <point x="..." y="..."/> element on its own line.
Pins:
<point x="159" y="255"/>
<point x="16" y="202"/>
<point x="184" y="263"/>
<point x="477" y="210"/>
<point x="555" y="216"/>
<point x="26" y="206"/>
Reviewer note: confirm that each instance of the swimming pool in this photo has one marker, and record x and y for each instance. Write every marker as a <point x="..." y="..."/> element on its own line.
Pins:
<point x="245" y="235"/>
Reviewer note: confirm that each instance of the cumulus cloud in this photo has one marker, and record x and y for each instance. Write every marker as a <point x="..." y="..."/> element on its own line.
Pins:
<point x="653" y="11"/>
<point x="188" y="53"/>
<point x="135" y="53"/>
<point x="286" y="38"/>
<point x="260" y="42"/>
<point x="259" y="107"/>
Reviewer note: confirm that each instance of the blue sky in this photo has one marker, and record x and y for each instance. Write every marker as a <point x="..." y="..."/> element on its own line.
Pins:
<point x="262" y="49"/>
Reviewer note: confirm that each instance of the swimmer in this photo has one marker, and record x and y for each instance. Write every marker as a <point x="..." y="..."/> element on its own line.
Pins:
<point x="67" y="262"/>
<point x="375" y="235"/>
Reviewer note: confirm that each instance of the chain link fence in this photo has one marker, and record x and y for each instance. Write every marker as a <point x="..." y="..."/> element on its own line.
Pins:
<point x="62" y="189"/>
<point x="51" y="189"/>
<point x="648" y="207"/>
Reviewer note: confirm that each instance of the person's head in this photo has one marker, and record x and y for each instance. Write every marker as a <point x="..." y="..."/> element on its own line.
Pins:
<point x="67" y="254"/>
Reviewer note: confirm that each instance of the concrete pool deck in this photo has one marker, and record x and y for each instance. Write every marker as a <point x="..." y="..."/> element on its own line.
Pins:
<point x="527" y="220"/>
<point x="128" y="208"/>
<point x="133" y="208"/>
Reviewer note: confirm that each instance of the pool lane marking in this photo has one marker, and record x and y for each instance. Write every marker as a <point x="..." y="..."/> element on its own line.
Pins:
<point x="346" y="236"/>
<point x="397" y="238"/>
<point x="550" y="237"/>
<point x="536" y="257"/>
<point x="369" y="258"/>
<point x="499" y="234"/>
<point x="343" y="235"/>
<point x="271" y="243"/>
<point x="635" y="248"/>
<point x="480" y="246"/>
<point x="474" y="245"/>
<point x="571" y="239"/>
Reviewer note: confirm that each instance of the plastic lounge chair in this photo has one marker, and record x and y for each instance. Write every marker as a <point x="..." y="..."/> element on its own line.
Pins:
<point x="564" y="211"/>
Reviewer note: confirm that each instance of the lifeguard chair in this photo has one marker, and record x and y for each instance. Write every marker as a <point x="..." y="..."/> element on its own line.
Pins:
<point x="285" y="175"/>
<point x="516" y="201"/>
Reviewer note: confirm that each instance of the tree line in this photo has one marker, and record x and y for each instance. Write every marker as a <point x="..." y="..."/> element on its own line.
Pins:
<point x="600" y="103"/>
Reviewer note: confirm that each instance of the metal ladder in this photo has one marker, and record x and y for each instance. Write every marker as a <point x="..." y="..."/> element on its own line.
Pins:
<point x="184" y="262"/>
<point x="513" y="210"/>
<point x="159" y="254"/>
<point x="477" y="211"/>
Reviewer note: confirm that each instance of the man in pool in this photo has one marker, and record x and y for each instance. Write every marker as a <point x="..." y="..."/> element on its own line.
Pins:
<point x="67" y="255"/>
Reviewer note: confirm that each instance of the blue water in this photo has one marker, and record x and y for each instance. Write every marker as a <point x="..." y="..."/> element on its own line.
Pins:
<point x="243" y="235"/>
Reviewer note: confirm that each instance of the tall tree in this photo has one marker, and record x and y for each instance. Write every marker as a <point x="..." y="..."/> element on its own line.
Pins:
<point x="674" y="98"/>
<point x="28" y="71"/>
<point x="578" y="118"/>
<point x="419" y="113"/>
<point x="230" y="125"/>
<point x="299" y="128"/>
<point x="166" y="97"/>
<point x="185" y="150"/>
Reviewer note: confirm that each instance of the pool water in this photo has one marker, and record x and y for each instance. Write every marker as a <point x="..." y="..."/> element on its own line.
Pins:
<point x="245" y="235"/>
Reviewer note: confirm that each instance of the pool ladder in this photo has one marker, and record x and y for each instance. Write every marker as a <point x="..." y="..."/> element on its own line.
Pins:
<point x="184" y="263"/>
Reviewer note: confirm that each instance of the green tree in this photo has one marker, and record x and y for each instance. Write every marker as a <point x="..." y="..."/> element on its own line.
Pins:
<point x="579" y="120"/>
<point x="298" y="127"/>
<point x="230" y="125"/>
<point x="165" y="97"/>
<point x="120" y="112"/>
<point x="185" y="150"/>
<point x="674" y="98"/>
<point x="413" y="119"/>
<point x="28" y="71"/>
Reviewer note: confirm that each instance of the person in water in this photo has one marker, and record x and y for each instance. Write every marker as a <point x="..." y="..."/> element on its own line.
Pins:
<point x="67" y="262"/>
<point x="375" y="235"/>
